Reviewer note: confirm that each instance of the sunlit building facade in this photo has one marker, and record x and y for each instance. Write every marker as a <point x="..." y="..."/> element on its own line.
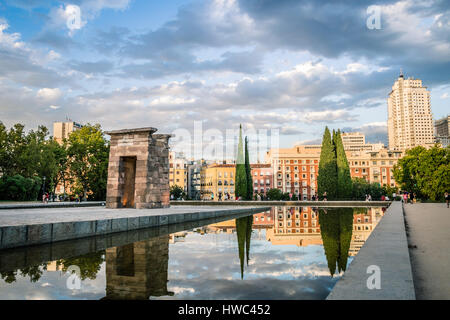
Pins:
<point x="62" y="130"/>
<point x="410" y="122"/>
<point x="295" y="170"/>
<point x="178" y="173"/>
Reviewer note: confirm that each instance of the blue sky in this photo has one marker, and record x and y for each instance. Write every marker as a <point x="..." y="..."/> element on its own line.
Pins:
<point x="292" y="65"/>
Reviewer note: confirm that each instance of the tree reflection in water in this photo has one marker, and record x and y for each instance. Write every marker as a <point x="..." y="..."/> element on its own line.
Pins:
<point x="244" y="232"/>
<point x="336" y="227"/>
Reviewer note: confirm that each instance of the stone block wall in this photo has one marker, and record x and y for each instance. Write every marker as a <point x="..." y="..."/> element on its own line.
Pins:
<point x="151" y="153"/>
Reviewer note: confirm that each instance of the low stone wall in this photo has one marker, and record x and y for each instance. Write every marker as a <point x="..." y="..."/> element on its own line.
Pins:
<point x="284" y="203"/>
<point x="33" y="234"/>
<point x="387" y="249"/>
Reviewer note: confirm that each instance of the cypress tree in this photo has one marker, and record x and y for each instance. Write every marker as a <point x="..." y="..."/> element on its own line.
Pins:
<point x="344" y="180"/>
<point x="327" y="179"/>
<point x="241" y="175"/>
<point x="248" y="173"/>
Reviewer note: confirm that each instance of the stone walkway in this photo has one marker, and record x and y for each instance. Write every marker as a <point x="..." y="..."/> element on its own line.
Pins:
<point x="429" y="230"/>
<point x="20" y="217"/>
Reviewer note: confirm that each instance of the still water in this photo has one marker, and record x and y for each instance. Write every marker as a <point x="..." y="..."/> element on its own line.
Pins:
<point x="284" y="253"/>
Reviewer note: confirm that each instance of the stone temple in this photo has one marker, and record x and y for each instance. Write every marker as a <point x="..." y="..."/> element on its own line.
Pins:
<point x="138" y="170"/>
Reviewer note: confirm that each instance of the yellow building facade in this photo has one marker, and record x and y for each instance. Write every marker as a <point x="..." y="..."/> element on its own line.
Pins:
<point x="217" y="180"/>
<point x="178" y="173"/>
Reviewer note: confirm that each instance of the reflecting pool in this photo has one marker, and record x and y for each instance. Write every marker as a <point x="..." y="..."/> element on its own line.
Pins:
<point x="284" y="253"/>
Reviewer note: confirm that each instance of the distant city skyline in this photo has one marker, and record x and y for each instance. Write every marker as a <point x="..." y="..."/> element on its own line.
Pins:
<point x="298" y="68"/>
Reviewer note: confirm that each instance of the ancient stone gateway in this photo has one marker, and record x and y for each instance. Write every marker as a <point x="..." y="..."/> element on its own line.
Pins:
<point x="138" y="170"/>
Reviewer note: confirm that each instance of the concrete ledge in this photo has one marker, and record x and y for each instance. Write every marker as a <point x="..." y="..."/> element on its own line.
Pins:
<point x="51" y="205"/>
<point x="387" y="248"/>
<point x="26" y="231"/>
<point x="352" y="204"/>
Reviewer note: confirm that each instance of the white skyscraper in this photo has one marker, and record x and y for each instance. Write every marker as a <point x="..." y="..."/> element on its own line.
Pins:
<point x="410" y="122"/>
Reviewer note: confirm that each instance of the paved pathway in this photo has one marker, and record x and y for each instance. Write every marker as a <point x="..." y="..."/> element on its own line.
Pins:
<point x="19" y="217"/>
<point x="429" y="230"/>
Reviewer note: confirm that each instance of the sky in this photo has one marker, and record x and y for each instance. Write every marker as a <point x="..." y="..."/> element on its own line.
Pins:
<point x="293" y="66"/>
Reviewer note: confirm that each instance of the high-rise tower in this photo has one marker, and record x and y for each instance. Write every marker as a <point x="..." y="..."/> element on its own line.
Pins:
<point x="410" y="122"/>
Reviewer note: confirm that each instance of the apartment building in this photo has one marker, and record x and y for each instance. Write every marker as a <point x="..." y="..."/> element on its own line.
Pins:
<point x="410" y="122"/>
<point x="356" y="141"/>
<point x="217" y="180"/>
<point x="62" y="130"/>
<point x="442" y="131"/>
<point x="178" y="170"/>
<point x="262" y="175"/>
<point x="295" y="170"/>
<point x="377" y="166"/>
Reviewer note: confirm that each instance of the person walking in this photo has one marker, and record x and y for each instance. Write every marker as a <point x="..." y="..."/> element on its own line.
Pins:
<point x="405" y="197"/>
<point x="212" y="196"/>
<point x="325" y="196"/>
<point x="411" y="197"/>
<point x="447" y="198"/>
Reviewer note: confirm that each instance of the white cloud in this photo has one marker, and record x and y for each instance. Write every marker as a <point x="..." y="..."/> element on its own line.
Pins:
<point x="49" y="94"/>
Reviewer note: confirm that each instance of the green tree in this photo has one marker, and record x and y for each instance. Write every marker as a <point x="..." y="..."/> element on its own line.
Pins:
<point x="327" y="178"/>
<point x="14" y="149"/>
<point x="361" y="187"/>
<point x="248" y="173"/>
<point x="425" y="172"/>
<point x="344" y="180"/>
<point x="18" y="188"/>
<point x="274" y="194"/>
<point x="176" y="191"/>
<point x="88" y="153"/>
<point x="241" y="174"/>
<point x="3" y="148"/>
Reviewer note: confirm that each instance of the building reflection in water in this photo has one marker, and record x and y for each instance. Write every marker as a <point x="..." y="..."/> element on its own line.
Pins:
<point x="138" y="271"/>
<point x="341" y="231"/>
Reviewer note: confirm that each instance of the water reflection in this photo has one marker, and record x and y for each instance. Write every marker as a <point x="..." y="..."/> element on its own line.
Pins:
<point x="244" y="232"/>
<point x="139" y="270"/>
<point x="297" y="253"/>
